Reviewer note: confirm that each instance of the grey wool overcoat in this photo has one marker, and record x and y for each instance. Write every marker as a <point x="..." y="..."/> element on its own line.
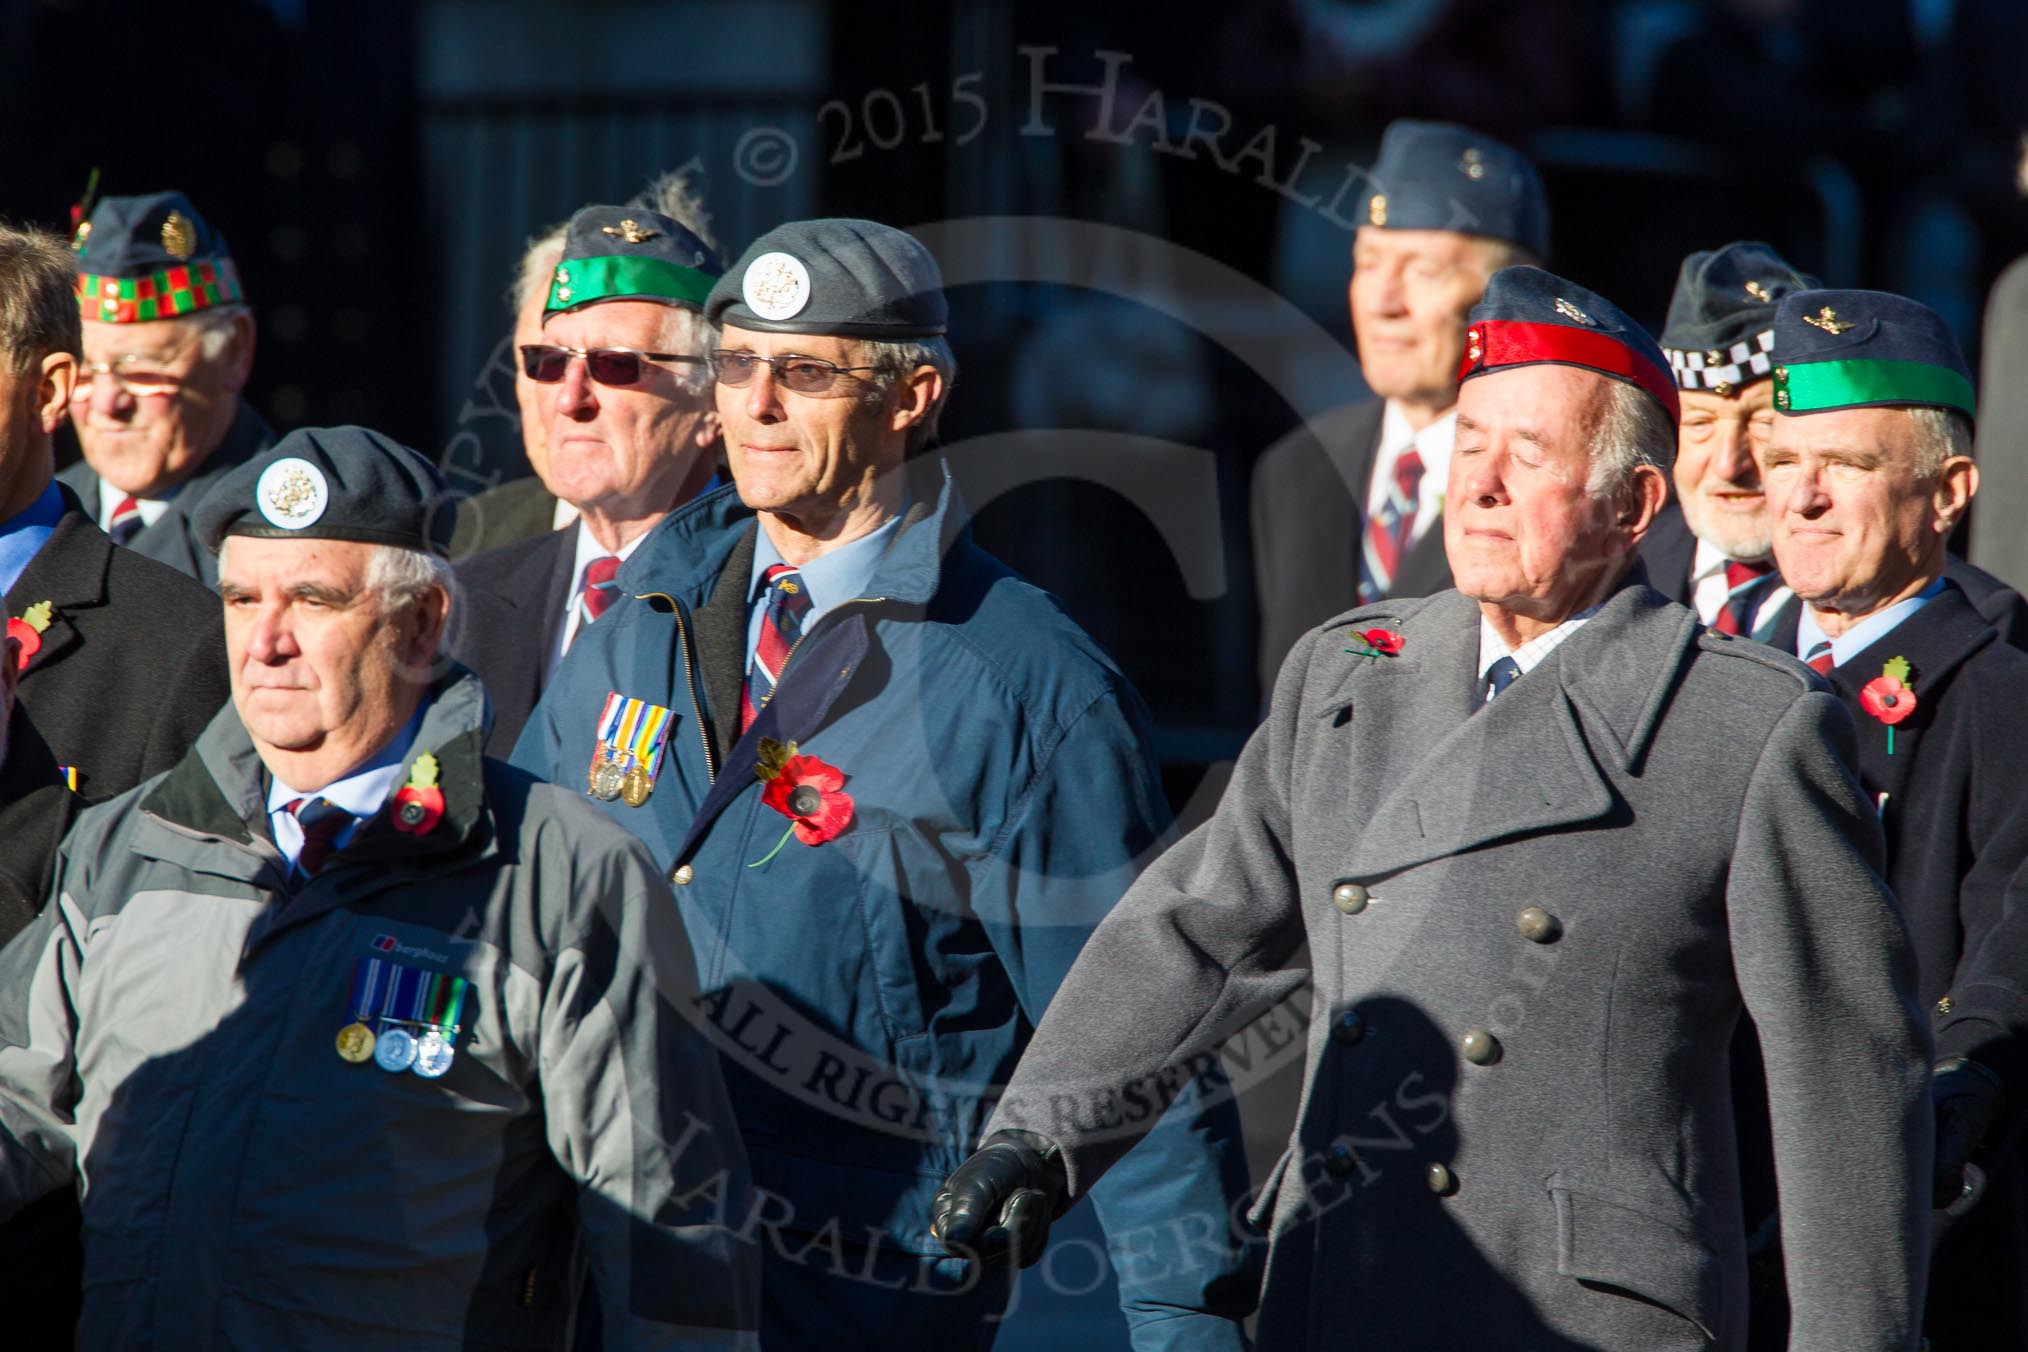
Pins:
<point x="1534" y="925"/>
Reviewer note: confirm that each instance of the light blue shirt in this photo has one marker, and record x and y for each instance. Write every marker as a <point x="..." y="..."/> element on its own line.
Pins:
<point x="830" y="579"/>
<point x="361" y="793"/>
<point x="25" y="533"/>
<point x="1864" y="634"/>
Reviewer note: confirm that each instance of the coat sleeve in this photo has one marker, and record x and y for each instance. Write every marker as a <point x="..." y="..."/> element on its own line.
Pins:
<point x="1092" y="816"/>
<point x="39" y="973"/>
<point x="1122" y="1070"/>
<point x="36" y="808"/>
<point x="189" y="699"/>
<point x="637" y="1113"/>
<point x="1827" y="971"/>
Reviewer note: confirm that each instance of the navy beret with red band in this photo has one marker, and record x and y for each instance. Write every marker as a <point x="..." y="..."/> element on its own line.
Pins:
<point x="1529" y="317"/>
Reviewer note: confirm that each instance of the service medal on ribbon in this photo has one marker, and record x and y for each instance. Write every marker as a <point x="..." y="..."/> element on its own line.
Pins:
<point x="394" y="1050"/>
<point x="632" y="735"/>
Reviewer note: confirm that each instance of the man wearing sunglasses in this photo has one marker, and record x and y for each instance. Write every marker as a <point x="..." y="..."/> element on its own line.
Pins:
<point x="168" y="347"/>
<point x="896" y="788"/>
<point x="619" y="377"/>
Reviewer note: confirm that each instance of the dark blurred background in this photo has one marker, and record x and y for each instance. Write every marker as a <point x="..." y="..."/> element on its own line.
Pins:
<point x="1142" y="208"/>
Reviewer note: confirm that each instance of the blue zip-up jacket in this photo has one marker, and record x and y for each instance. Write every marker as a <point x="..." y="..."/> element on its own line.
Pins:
<point x="871" y="994"/>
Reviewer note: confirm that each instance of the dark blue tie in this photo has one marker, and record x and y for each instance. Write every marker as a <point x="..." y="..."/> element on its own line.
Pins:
<point x="323" y="821"/>
<point x="1500" y="675"/>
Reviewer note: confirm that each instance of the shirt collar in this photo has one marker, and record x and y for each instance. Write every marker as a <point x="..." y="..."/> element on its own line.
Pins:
<point x="1532" y="653"/>
<point x="1866" y="632"/>
<point x="833" y="577"/>
<point x="1433" y="443"/>
<point x="26" y="532"/>
<point x="363" y="791"/>
<point x="588" y="548"/>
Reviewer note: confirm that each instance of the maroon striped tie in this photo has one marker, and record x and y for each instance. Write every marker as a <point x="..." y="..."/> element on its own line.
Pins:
<point x="599" y="591"/>
<point x="1738" y="576"/>
<point x="126" y="522"/>
<point x="1820" y="659"/>
<point x="1388" y="530"/>
<point x="323" y="822"/>
<point x="781" y="627"/>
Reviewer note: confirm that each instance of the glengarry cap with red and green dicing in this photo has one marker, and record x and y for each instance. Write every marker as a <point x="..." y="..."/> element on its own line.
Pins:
<point x="630" y="253"/>
<point x="1866" y="349"/>
<point x="151" y="257"/>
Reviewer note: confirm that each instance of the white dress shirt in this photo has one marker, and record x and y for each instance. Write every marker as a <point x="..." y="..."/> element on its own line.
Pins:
<point x="110" y="499"/>
<point x="1530" y="654"/>
<point x="588" y="549"/>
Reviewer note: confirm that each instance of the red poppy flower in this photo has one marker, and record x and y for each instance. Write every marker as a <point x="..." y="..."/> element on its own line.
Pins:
<point x="1384" y="641"/>
<point x="417" y="811"/>
<point x="1887" y="699"/>
<point x="812" y="795"/>
<point x="30" y="638"/>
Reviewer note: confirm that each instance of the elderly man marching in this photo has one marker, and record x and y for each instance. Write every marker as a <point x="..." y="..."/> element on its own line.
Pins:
<point x="168" y="346"/>
<point x="1546" y="836"/>
<point x="1868" y="469"/>
<point x="896" y="788"/>
<point x="351" y="1038"/>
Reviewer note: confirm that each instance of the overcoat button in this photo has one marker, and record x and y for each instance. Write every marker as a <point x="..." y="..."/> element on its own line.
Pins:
<point x="1348" y="1028"/>
<point x="1350" y="898"/>
<point x="1338" y="1159"/>
<point x="1442" y="1181"/>
<point x="682" y="876"/>
<point x="1480" y="1047"/>
<point x="1537" y="925"/>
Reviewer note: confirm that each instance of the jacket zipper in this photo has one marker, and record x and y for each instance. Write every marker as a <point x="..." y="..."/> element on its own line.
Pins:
<point x="690" y="679"/>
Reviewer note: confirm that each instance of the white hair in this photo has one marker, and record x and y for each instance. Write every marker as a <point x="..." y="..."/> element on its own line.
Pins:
<point x="1941" y="433"/>
<point x="1629" y="428"/>
<point x="214" y="329"/>
<point x="895" y="361"/>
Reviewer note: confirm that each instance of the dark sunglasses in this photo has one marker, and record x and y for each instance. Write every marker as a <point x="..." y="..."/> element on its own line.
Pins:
<point x="606" y="365"/>
<point x="804" y="375"/>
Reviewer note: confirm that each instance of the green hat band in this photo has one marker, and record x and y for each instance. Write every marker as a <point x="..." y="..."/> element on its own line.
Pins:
<point x="580" y="281"/>
<point x="1813" y="387"/>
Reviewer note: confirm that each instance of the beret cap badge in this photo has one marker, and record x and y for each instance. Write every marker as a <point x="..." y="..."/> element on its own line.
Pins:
<point x="1571" y="312"/>
<point x="1827" y="320"/>
<point x="1758" y="292"/>
<point x="776" y="286"/>
<point x="1473" y="164"/>
<point x="179" y="237"/>
<point x="630" y="230"/>
<point x="292" y="493"/>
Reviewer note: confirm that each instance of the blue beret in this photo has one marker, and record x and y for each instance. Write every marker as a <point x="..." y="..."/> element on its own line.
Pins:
<point x="849" y="278"/>
<point x="332" y="483"/>
<point x="1440" y="176"/>
<point x="630" y="253"/>
<point x="1529" y="316"/>
<point x="152" y="257"/>
<point x="1866" y="349"/>
<point x="1720" y="330"/>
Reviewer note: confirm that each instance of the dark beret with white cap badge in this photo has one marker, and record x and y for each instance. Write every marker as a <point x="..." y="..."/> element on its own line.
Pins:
<point x="333" y="483"/>
<point x="849" y="278"/>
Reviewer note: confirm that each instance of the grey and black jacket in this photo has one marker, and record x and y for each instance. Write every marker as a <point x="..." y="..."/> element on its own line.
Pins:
<point x="167" y="1037"/>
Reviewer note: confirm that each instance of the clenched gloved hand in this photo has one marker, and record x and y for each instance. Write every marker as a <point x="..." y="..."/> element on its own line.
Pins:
<point x="999" y="1203"/>
<point x="1967" y="1099"/>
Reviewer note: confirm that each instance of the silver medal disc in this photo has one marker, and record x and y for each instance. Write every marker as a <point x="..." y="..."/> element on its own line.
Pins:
<point x="610" y="777"/>
<point x="433" y="1055"/>
<point x="394" y="1050"/>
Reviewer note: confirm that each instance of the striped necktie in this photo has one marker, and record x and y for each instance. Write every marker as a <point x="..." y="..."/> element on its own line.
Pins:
<point x="1500" y="675"/>
<point x="1388" y="529"/>
<point x="1739" y="580"/>
<point x="599" y="591"/>
<point x="1820" y="659"/>
<point x="788" y="601"/>
<point x="323" y="821"/>
<point x="126" y="521"/>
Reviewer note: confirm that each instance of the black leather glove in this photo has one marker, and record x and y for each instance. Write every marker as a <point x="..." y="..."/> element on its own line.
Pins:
<point x="999" y="1203"/>
<point x="1968" y="1099"/>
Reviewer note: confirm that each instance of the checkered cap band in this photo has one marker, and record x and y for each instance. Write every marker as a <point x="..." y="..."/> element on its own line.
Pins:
<point x="180" y="290"/>
<point x="1741" y="364"/>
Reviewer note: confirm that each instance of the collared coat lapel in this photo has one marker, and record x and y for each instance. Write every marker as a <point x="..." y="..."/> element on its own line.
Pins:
<point x="514" y="603"/>
<point x="1598" y="695"/>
